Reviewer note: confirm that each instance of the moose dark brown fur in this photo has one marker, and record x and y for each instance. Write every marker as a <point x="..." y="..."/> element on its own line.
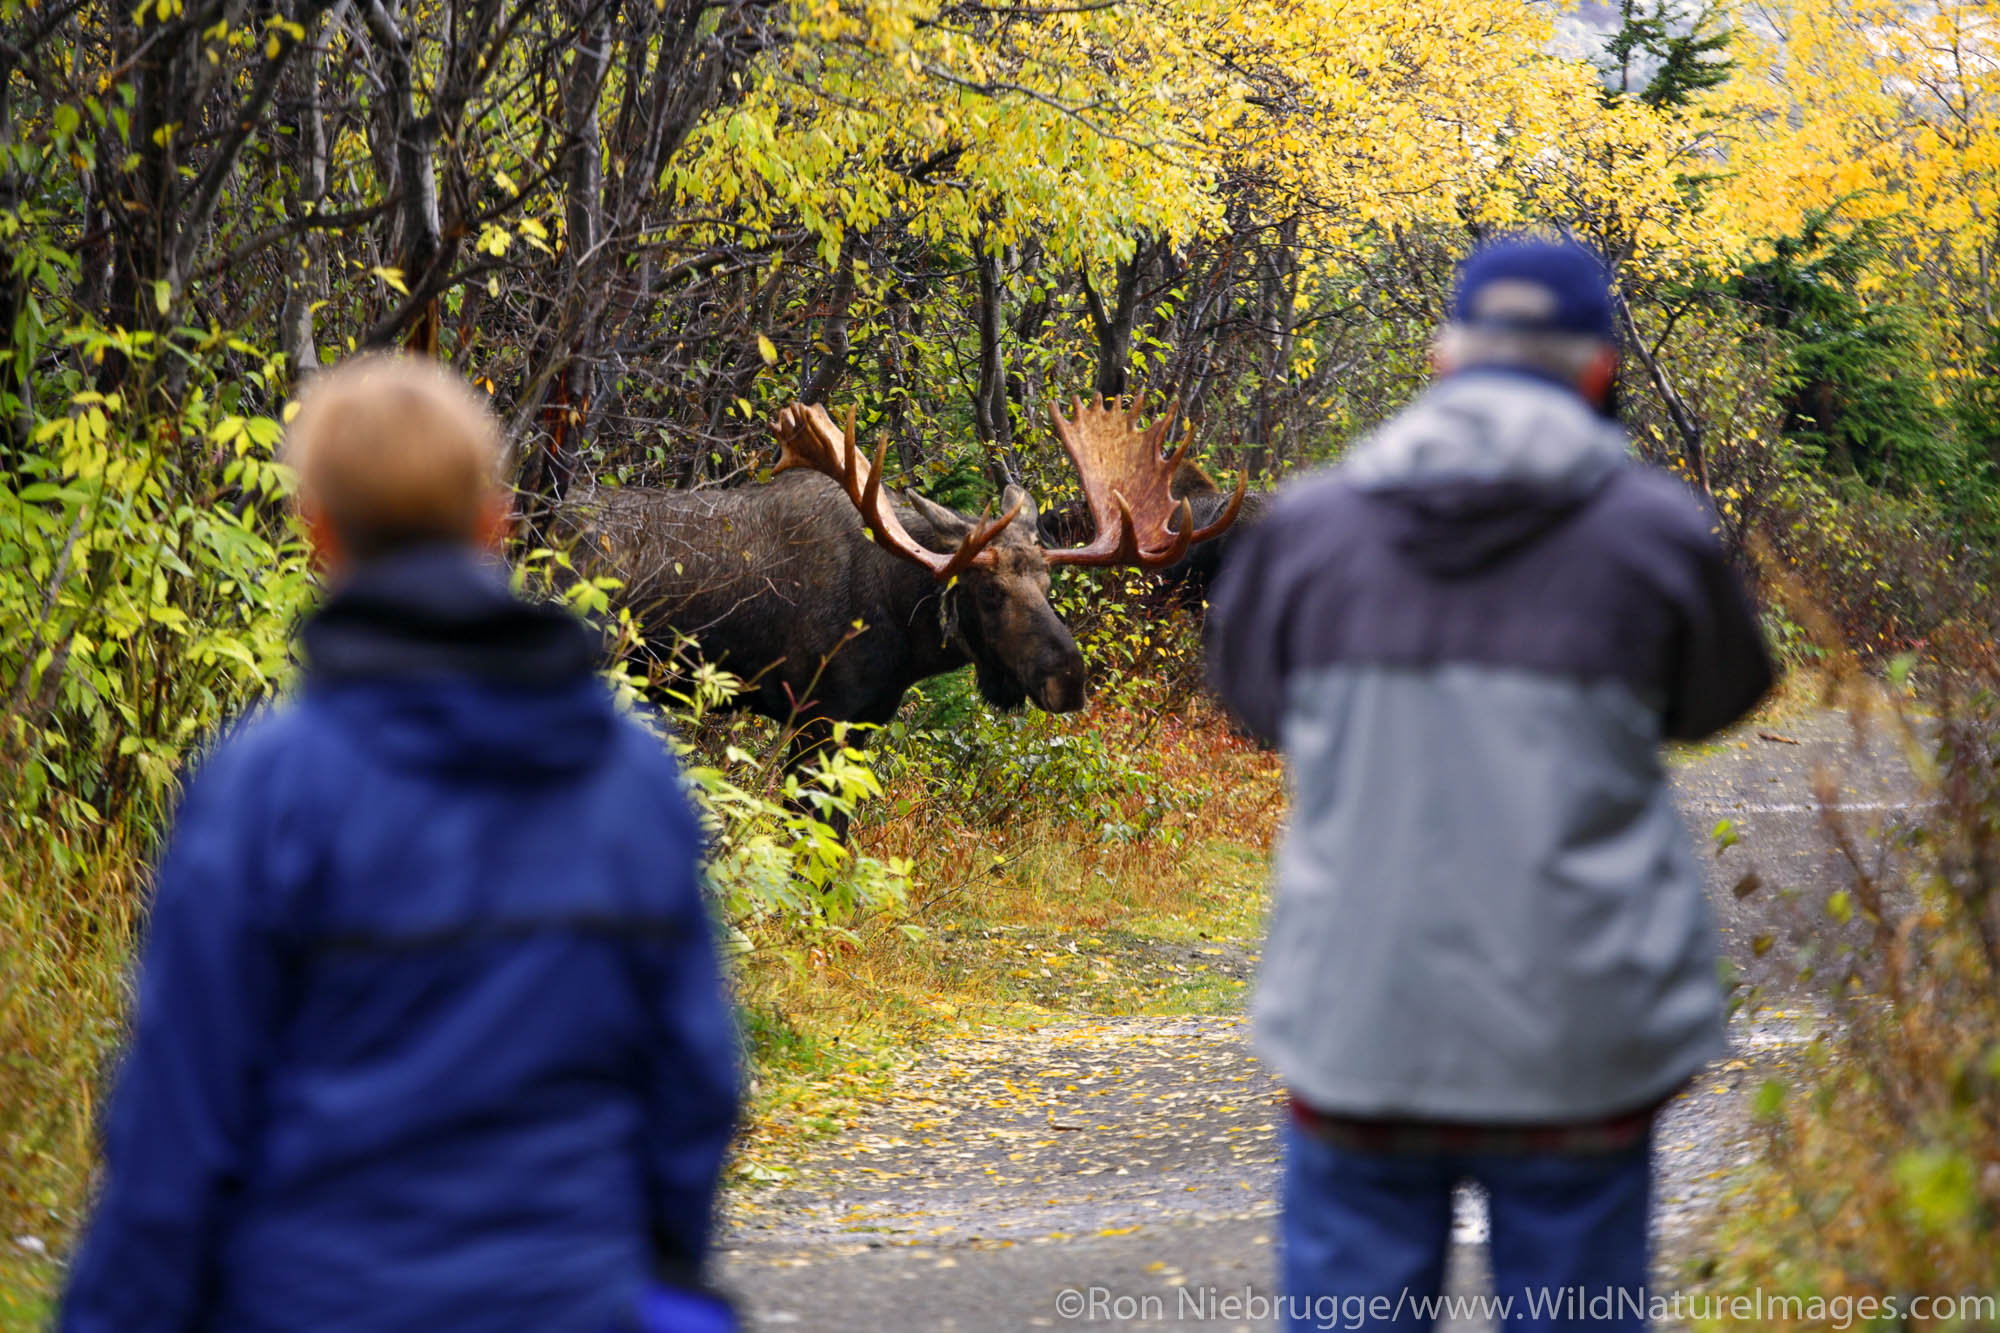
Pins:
<point x="769" y="581"/>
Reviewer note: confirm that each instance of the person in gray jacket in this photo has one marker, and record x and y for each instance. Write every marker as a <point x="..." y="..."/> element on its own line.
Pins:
<point x="1491" y="956"/>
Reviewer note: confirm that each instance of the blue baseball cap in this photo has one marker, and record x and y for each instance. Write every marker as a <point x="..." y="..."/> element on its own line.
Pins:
<point x="1532" y="284"/>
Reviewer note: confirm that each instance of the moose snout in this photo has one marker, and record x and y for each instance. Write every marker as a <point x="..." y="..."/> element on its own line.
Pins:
<point x="1059" y="689"/>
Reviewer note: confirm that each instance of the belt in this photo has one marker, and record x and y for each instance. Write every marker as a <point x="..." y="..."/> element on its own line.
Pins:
<point x="1615" y="1134"/>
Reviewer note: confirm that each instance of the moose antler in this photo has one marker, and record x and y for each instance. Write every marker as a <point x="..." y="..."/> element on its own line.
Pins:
<point x="1128" y="487"/>
<point x="810" y="439"/>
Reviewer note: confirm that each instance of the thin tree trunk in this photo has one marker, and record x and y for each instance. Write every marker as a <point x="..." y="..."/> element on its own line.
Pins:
<point x="1029" y="325"/>
<point x="1272" y="319"/>
<point x="991" y="421"/>
<point x="1677" y="409"/>
<point x="18" y="420"/>
<point x="304" y="280"/>
<point x="420" y="226"/>
<point x="827" y="358"/>
<point x="1113" y="324"/>
<point x="896" y="353"/>
<point x="138" y="199"/>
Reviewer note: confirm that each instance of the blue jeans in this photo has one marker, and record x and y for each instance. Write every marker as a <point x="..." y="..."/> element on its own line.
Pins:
<point x="1365" y="1236"/>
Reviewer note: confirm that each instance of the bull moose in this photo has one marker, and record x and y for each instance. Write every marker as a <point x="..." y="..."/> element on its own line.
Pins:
<point x="831" y="600"/>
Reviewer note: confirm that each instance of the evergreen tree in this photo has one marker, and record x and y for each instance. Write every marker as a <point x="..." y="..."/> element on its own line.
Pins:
<point x="1850" y="397"/>
<point x="1978" y="401"/>
<point x="1679" y="52"/>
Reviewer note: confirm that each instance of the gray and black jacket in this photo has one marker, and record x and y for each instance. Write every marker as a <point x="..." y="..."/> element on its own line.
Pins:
<point x="1469" y="640"/>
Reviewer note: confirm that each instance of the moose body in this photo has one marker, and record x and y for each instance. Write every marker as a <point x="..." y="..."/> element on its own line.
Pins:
<point x="1189" y="578"/>
<point x="769" y="582"/>
<point x="829" y="600"/>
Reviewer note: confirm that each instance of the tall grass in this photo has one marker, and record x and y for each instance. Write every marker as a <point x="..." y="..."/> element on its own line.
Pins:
<point x="66" y="934"/>
<point x="1876" y="1199"/>
<point x="988" y="849"/>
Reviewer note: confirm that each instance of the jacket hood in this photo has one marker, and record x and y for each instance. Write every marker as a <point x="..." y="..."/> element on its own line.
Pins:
<point x="1483" y="464"/>
<point x="434" y="664"/>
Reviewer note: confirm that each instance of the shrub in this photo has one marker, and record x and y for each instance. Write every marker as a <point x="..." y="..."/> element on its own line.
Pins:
<point x="1880" y="1178"/>
<point x="148" y="579"/>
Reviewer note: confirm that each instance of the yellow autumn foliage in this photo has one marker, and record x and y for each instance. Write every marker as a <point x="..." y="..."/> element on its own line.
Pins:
<point x="1890" y="114"/>
<point x="1084" y="125"/>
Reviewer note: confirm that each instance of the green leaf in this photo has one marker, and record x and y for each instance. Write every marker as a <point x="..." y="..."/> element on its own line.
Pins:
<point x="264" y="431"/>
<point x="1938" y="1185"/>
<point x="1770" y="1100"/>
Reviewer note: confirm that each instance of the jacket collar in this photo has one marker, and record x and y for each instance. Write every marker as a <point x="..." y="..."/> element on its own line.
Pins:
<point x="442" y="611"/>
<point x="1485" y="425"/>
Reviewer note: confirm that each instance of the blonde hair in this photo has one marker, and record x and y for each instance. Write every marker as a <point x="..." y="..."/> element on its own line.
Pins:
<point x="394" y="452"/>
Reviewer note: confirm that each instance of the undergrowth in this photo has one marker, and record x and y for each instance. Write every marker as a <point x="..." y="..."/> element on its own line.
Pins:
<point x="65" y="938"/>
<point x="1875" y="1202"/>
<point x="1112" y="863"/>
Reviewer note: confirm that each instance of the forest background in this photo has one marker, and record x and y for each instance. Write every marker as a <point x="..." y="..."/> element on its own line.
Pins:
<point x="644" y="227"/>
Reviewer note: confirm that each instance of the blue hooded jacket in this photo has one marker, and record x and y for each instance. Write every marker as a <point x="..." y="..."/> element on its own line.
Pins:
<point x="430" y="1032"/>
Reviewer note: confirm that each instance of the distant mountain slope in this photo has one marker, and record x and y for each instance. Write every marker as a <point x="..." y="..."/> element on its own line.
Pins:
<point x="1581" y="29"/>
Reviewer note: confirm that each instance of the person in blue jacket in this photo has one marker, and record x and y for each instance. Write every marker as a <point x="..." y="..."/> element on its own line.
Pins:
<point x="430" y="1031"/>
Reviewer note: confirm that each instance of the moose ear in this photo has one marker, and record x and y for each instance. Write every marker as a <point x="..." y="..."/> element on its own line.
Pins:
<point x="1013" y="496"/>
<point x="950" y="525"/>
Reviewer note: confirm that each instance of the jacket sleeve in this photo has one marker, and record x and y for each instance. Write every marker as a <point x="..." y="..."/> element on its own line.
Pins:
<point x="179" y="1121"/>
<point x="692" y="1074"/>
<point x="1246" y="634"/>
<point x="1721" y="667"/>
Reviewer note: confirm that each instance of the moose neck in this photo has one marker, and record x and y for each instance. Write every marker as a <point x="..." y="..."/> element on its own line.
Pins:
<point x="934" y="646"/>
<point x="938" y="644"/>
